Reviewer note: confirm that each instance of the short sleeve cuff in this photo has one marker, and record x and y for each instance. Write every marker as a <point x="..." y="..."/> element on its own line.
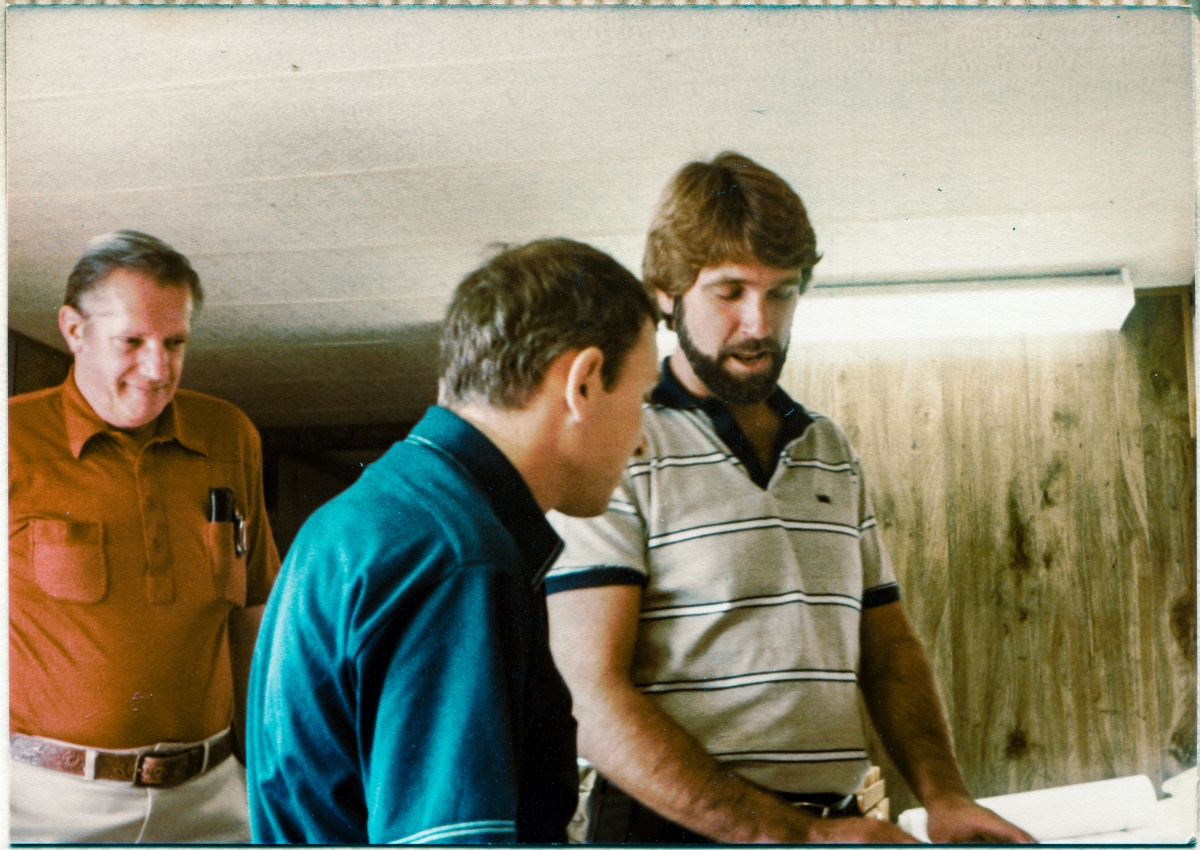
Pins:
<point x="593" y="577"/>
<point x="881" y="595"/>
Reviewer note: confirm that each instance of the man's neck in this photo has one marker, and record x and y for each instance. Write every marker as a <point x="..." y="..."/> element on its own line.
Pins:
<point x="761" y="426"/>
<point x="133" y="440"/>
<point x="521" y="436"/>
<point x="136" y="437"/>
<point x="142" y="432"/>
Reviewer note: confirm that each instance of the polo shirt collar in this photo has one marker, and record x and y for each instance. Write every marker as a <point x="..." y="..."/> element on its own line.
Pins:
<point x="175" y="424"/>
<point x="83" y="423"/>
<point x="671" y="393"/>
<point x="512" y="500"/>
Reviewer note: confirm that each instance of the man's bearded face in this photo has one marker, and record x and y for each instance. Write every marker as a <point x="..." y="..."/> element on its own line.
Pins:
<point x="721" y="382"/>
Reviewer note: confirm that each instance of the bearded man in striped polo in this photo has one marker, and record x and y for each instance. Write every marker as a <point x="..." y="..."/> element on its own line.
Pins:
<point x="715" y="625"/>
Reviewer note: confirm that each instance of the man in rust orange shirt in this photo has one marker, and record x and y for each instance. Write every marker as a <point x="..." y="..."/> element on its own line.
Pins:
<point x="139" y="560"/>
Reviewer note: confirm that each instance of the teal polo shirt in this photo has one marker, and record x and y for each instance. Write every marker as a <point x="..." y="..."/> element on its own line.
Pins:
<point x="402" y="689"/>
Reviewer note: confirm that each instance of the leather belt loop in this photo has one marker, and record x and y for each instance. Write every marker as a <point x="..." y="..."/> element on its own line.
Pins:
<point x="207" y="749"/>
<point x="89" y="765"/>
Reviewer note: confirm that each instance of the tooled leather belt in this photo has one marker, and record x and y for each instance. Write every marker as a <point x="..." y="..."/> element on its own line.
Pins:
<point x="143" y="767"/>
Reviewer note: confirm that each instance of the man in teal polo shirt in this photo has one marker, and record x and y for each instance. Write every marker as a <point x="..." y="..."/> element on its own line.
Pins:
<point x="402" y="689"/>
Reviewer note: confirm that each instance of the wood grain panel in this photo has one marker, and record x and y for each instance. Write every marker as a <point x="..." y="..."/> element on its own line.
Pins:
<point x="1087" y="523"/>
<point x="988" y="443"/>
<point x="33" y="365"/>
<point x="1154" y="332"/>
<point x="1038" y="499"/>
<point x="301" y="489"/>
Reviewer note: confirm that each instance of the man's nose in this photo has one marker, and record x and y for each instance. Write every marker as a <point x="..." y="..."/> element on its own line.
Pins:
<point x="154" y="362"/>
<point x="754" y="317"/>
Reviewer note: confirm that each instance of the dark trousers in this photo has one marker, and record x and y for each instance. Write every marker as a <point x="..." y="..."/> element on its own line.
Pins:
<point x="617" y="818"/>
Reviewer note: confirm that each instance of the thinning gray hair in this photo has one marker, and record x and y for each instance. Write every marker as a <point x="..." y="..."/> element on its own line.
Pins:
<point x="130" y="249"/>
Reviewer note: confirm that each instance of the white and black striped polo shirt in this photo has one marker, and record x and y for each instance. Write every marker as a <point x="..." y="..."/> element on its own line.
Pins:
<point x="754" y="581"/>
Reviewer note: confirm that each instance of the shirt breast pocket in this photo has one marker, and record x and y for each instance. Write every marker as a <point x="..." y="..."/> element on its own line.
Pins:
<point x="68" y="559"/>
<point x="228" y="560"/>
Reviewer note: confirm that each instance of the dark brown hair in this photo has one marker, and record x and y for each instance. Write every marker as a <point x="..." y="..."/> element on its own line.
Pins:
<point x="512" y="317"/>
<point x="129" y="249"/>
<point x="730" y="209"/>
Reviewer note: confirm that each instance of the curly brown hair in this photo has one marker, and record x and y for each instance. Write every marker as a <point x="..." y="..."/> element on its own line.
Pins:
<point x="729" y="209"/>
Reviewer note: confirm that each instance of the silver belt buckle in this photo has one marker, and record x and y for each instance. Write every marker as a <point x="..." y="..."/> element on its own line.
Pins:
<point x="156" y="769"/>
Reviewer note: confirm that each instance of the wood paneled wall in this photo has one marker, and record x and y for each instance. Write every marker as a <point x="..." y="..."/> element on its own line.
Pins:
<point x="33" y="365"/>
<point x="300" y="489"/>
<point x="1037" y="497"/>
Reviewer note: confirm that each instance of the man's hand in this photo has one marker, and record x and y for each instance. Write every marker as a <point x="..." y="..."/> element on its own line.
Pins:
<point x="963" y="821"/>
<point x="857" y="831"/>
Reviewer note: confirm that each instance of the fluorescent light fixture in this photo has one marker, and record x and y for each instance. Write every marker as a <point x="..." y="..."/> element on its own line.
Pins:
<point x="983" y="307"/>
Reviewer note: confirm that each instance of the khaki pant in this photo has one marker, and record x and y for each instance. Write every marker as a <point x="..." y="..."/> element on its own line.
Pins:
<point x="54" y="807"/>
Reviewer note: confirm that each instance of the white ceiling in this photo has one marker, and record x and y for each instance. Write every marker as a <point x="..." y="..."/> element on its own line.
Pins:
<point x="332" y="173"/>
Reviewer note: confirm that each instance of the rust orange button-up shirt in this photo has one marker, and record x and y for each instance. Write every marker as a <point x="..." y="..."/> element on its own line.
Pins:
<point x="119" y="586"/>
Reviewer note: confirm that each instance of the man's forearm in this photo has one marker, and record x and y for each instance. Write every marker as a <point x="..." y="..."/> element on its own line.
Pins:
<point x="641" y="749"/>
<point x="901" y="697"/>
<point x="653" y="759"/>
<point x="650" y="756"/>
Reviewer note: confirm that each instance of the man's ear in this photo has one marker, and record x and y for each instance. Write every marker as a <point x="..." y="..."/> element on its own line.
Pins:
<point x="665" y="302"/>
<point x="70" y="325"/>
<point x="583" y="379"/>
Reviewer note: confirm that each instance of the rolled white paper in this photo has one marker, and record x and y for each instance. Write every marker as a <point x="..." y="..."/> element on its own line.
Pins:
<point x="1069" y="811"/>
<point x="1181" y="784"/>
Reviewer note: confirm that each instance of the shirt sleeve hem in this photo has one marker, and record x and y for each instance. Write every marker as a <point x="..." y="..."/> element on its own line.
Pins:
<point x="882" y="594"/>
<point x="475" y="832"/>
<point x="594" y="577"/>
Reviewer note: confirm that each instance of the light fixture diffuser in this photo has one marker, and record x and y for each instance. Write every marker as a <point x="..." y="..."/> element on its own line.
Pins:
<point x="982" y="307"/>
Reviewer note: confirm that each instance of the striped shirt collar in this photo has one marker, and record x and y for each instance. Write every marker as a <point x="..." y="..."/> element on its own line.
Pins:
<point x="671" y="393"/>
<point x="511" y="499"/>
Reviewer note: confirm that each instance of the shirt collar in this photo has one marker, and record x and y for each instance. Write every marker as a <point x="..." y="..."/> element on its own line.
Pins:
<point x="671" y="393"/>
<point x="83" y="423"/>
<point x="511" y="499"/>
<point x="175" y="424"/>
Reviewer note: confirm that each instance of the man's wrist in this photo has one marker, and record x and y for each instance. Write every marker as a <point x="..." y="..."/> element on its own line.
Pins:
<point x="785" y="826"/>
<point x="945" y="799"/>
<point x="941" y="787"/>
<point x="757" y="816"/>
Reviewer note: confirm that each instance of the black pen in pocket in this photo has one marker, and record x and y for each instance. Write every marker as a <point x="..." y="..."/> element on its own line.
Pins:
<point x="223" y="508"/>
<point x="220" y="504"/>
